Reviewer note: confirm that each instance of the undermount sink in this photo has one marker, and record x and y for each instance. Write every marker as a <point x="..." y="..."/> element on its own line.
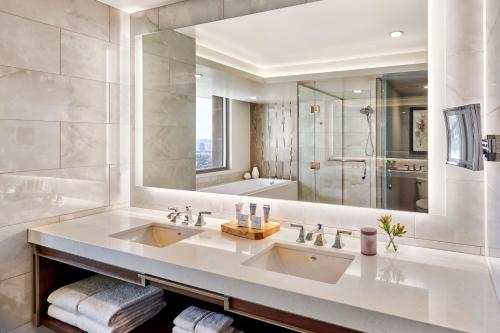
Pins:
<point x="156" y="234"/>
<point x="302" y="262"/>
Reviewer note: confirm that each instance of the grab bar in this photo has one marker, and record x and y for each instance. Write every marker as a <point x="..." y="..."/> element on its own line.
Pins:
<point x="353" y="160"/>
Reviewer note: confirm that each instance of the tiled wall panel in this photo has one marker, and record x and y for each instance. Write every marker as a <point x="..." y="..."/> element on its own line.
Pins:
<point x="64" y="127"/>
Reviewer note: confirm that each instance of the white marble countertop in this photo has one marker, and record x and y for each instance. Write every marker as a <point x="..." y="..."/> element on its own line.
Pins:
<point x="413" y="290"/>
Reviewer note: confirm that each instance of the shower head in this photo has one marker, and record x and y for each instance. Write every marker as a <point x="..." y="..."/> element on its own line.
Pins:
<point x="367" y="110"/>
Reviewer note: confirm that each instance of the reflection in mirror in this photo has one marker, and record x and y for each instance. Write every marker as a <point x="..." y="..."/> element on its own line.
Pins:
<point x="341" y="121"/>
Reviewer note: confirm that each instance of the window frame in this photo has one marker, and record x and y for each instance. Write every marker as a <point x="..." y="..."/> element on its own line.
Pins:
<point x="225" y="140"/>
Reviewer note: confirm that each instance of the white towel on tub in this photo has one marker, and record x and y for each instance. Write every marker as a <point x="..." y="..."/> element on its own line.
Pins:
<point x="70" y="296"/>
<point x="66" y="316"/>
<point x="108" y="306"/>
<point x="214" y="323"/>
<point x="188" y="318"/>
<point x="126" y="325"/>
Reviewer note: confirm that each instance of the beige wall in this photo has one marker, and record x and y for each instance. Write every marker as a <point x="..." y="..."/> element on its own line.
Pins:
<point x="492" y="111"/>
<point x="168" y="110"/>
<point x="64" y="127"/>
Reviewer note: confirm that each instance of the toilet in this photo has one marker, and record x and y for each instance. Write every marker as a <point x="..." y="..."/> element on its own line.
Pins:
<point x="422" y="203"/>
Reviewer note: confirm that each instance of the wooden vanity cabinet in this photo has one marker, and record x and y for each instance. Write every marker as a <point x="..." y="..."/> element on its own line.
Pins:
<point x="54" y="269"/>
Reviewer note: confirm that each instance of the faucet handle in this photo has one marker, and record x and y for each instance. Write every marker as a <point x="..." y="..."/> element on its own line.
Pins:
<point x="345" y="232"/>
<point x="300" y="239"/>
<point x="173" y="209"/>
<point x="320" y="240"/>
<point x="201" y="221"/>
<point x="338" y="241"/>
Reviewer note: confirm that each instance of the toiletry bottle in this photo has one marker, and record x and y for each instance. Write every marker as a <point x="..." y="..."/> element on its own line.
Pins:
<point x="368" y="241"/>
<point x="267" y="210"/>
<point x="255" y="172"/>
<point x="253" y="209"/>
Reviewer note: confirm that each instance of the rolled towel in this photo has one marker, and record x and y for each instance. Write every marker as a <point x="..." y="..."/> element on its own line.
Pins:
<point x="88" y="325"/>
<point x="105" y="307"/>
<point x="66" y="316"/>
<point x="70" y="296"/>
<point x="188" y="318"/>
<point x="214" y="323"/>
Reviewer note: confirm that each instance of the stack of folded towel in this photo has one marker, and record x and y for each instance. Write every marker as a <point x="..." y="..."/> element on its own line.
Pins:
<point x="100" y="304"/>
<point x="196" y="320"/>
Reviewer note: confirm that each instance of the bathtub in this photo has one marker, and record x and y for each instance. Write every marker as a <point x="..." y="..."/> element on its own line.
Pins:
<point x="261" y="187"/>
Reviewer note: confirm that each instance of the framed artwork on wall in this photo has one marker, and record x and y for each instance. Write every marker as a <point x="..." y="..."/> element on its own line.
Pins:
<point x="418" y="130"/>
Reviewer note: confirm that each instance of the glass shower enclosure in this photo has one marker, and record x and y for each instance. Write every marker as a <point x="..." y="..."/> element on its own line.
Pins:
<point x="320" y="140"/>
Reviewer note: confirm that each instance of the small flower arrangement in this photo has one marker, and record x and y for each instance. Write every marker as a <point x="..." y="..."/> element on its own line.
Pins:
<point x="392" y="230"/>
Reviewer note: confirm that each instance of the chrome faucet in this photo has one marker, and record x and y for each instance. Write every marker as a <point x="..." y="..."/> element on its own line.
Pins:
<point x="338" y="241"/>
<point x="320" y="237"/>
<point x="201" y="220"/>
<point x="187" y="215"/>
<point x="173" y="215"/>
<point x="300" y="239"/>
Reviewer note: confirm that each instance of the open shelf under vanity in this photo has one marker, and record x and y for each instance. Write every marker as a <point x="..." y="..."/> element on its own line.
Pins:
<point x="54" y="269"/>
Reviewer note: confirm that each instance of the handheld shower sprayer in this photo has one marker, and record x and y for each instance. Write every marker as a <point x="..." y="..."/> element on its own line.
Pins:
<point x="369" y="148"/>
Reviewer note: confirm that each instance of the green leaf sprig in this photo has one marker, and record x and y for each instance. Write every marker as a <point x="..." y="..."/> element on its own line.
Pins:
<point x="392" y="230"/>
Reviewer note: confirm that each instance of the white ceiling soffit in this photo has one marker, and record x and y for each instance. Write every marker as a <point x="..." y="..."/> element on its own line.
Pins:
<point x="133" y="6"/>
<point x="319" y="37"/>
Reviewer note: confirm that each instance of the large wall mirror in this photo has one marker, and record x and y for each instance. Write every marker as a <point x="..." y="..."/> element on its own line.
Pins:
<point x="323" y="102"/>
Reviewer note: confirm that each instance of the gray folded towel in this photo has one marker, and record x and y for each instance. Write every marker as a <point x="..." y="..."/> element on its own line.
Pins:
<point x="70" y="296"/>
<point x="88" y="325"/>
<point x="188" y="318"/>
<point x="107" y="307"/>
<point x="214" y="323"/>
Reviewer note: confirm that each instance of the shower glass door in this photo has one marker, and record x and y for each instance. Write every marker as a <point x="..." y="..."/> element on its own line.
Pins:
<point x="320" y="139"/>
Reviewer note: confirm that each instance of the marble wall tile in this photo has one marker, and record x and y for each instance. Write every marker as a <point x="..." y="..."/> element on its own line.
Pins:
<point x="118" y="144"/>
<point x="15" y="298"/>
<point x="492" y="15"/>
<point x="86" y="17"/>
<point x="30" y="95"/>
<point x="162" y="143"/>
<point x="160" y="45"/>
<point x="83" y="144"/>
<point x="233" y="8"/>
<point x="464" y="79"/>
<point x="28" y="145"/>
<point x="172" y="174"/>
<point x="493" y="69"/>
<point x="89" y="58"/>
<point x="15" y="248"/>
<point x="29" y="45"/>
<point x="28" y="196"/>
<point x="143" y="22"/>
<point x="119" y="176"/>
<point x="156" y="72"/>
<point x="493" y="218"/>
<point x="160" y="108"/>
<point x="119" y="103"/>
<point x="190" y="12"/>
<point x="464" y="220"/>
<point x="119" y="27"/>
<point x="182" y="80"/>
<point x="464" y="35"/>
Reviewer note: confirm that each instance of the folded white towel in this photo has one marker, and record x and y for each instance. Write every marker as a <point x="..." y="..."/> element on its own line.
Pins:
<point x="105" y="306"/>
<point x="188" y="318"/>
<point x="88" y="325"/>
<point x="66" y="316"/>
<point x="70" y="296"/>
<point x="214" y="323"/>
<point x="178" y="329"/>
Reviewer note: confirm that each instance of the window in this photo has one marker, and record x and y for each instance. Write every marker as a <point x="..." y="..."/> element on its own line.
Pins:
<point x="211" y="134"/>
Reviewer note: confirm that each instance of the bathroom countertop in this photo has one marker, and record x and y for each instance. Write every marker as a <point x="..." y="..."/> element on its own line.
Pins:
<point x="413" y="290"/>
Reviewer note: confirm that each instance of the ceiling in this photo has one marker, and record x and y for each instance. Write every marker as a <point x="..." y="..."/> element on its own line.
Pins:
<point x="132" y="6"/>
<point x="318" y="37"/>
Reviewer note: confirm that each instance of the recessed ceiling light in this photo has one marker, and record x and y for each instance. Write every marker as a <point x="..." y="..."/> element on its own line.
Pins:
<point x="253" y="97"/>
<point x="357" y="91"/>
<point x="198" y="75"/>
<point x="396" y="34"/>
<point x="425" y="87"/>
